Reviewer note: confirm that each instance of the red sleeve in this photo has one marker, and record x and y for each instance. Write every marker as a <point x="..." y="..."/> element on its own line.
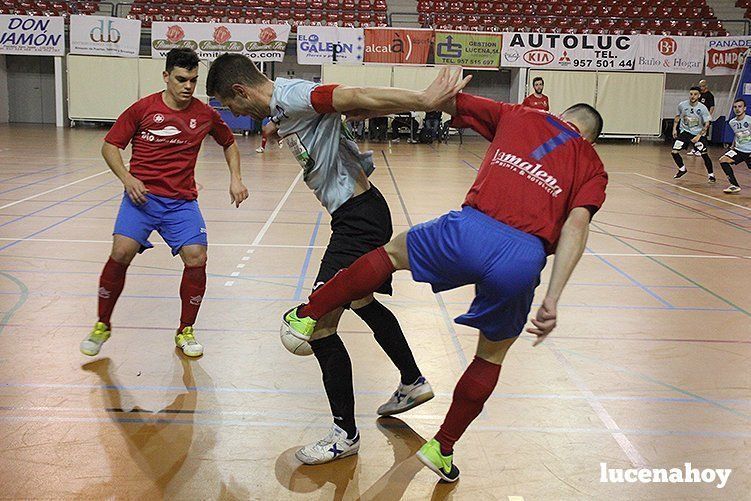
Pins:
<point x="591" y="193"/>
<point x="220" y="131"/>
<point x="125" y="127"/>
<point x="478" y="113"/>
<point x="322" y="98"/>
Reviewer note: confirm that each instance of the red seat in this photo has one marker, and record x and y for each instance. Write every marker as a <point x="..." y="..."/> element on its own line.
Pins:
<point x="267" y="15"/>
<point x="201" y="11"/>
<point x="380" y="6"/>
<point x="348" y="18"/>
<point x="333" y="17"/>
<point x="283" y="15"/>
<point x="316" y="17"/>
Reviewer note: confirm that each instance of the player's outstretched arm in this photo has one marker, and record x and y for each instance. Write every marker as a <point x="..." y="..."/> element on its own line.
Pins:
<point x="133" y="187"/>
<point x="570" y="248"/>
<point x="237" y="190"/>
<point x="439" y="95"/>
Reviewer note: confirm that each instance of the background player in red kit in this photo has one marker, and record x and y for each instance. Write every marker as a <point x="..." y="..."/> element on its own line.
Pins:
<point x="166" y="130"/>
<point x="537" y="189"/>
<point x="537" y="99"/>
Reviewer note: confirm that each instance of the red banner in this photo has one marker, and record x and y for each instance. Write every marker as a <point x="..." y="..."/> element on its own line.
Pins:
<point x="397" y="46"/>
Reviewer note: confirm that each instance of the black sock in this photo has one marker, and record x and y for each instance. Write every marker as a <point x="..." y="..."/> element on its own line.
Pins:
<point x="678" y="160"/>
<point x="708" y="163"/>
<point x="336" y="368"/>
<point x="388" y="333"/>
<point x="728" y="170"/>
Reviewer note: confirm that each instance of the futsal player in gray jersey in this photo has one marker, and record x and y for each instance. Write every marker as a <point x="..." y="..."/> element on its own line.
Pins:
<point x="303" y="116"/>
<point x="690" y="125"/>
<point x="741" y="150"/>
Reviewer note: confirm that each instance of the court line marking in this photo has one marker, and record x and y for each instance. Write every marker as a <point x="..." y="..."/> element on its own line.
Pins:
<point x="516" y="498"/>
<point x="637" y="460"/>
<point x="54" y="189"/>
<point x="691" y="191"/>
<point x="287" y="246"/>
<point x="276" y="210"/>
<point x="304" y="270"/>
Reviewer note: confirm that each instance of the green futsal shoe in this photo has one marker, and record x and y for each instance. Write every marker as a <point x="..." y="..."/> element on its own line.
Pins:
<point x="94" y="341"/>
<point x="301" y="328"/>
<point x="187" y="342"/>
<point x="430" y="455"/>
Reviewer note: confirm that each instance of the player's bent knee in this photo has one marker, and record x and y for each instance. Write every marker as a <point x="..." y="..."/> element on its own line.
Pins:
<point x="493" y="351"/>
<point x="676" y="152"/>
<point x="397" y="251"/>
<point x="726" y="160"/>
<point x="361" y="303"/>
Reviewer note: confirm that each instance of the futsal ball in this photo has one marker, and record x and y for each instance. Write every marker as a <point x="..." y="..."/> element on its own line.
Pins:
<point x="294" y="345"/>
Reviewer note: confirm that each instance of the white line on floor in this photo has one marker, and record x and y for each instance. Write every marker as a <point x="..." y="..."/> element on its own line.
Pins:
<point x="53" y="189"/>
<point x="229" y="283"/>
<point x="282" y="246"/>
<point x="692" y="191"/>
<point x="276" y="210"/>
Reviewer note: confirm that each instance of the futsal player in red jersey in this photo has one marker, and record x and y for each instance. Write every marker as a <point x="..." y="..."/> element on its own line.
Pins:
<point x="537" y="99"/>
<point x="535" y="193"/>
<point x="166" y="130"/>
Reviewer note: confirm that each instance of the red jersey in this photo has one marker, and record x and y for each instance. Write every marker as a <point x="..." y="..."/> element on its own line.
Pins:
<point x="540" y="103"/>
<point x="166" y="143"/>
<point x="536" y="170"/>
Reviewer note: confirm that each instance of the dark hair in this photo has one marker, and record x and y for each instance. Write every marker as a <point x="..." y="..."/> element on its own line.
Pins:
<point x="740" y="100"/>
<point x="230" y="69"/>
<point x="697" y="89"/>
<point x="537" y="79"/>
<point x="182" y="58"/>
<point x="591" y="113"/>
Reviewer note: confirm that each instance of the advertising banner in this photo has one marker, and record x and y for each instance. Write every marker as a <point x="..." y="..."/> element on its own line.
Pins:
<point x="32" y="35"/>
<point x="106" y="36"/>
<point x="568" y="51"/>
<point x="725" y="54"/>
<point x="470" y="49"/>
<point x="260" y="42"/>
<point x="330" y="44"/>
<point x="669" y="54"/>
<point x="397" y="46"/>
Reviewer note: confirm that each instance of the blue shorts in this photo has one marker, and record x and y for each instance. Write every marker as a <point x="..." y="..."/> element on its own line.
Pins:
<point x="468" y="247"/>
<point x="179" y="222"/>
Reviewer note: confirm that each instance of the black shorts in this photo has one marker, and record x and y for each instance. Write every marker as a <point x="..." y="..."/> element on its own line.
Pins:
<point x="360" y="225"/>
<point x="684" y="141"/>
<point x="738" y="157"/>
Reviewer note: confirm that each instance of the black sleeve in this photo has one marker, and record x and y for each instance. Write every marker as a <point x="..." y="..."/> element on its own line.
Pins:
<point x="710" y="100"/>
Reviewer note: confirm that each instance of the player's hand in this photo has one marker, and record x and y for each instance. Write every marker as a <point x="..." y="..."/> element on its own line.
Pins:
<point x="136" y="190"/>
<point x="675" y="134"/>
<point x="545" y="320"/>
<point x="444" y="88"/>
<point x="237" y="192"/>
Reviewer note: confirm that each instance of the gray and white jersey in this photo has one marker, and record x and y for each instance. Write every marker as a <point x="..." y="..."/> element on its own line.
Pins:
<point x="742" y="130"/>
<point x="330" y="159"/>
<point x="693" y="118"/>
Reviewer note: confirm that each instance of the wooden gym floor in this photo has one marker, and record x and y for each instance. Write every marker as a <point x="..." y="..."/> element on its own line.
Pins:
<point x="649" y="365"/>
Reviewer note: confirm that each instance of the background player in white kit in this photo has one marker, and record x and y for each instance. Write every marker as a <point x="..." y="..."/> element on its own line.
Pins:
<point x="690" y="125"/>
<point x="741" y="150"/>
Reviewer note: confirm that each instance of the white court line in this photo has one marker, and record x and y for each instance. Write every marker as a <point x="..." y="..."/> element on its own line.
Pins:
<point x="692" y="191"/>
<point x="262" y="246"/>
<point x="516" y="498"/>
<point x="278" y="207"/>
<point x="284" y="246"/>
<point x="637" y="460"/>
<point x="53" y="189"/>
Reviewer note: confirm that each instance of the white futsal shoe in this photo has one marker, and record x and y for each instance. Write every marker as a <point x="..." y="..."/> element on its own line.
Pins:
<point x="335" y="445"/>
<point x="406" y="397"/>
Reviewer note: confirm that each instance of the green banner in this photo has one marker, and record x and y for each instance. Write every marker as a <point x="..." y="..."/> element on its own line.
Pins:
<point x="468" y="49"/>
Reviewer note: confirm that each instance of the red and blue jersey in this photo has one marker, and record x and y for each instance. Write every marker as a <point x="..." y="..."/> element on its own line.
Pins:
<point x="536" y="170"/>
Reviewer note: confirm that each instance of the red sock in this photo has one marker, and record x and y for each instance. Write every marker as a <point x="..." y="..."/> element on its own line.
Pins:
<point x="471" y="392"/>
<point x="263" y="141"/>
<point x="111" y="283"/>
<point x="365" y="275"/>
<point x="192" y="288"/>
